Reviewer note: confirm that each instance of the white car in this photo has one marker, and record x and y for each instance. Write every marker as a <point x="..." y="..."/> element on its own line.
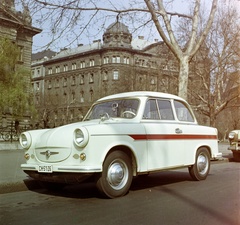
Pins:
<point x="122" y="136"/>
<point x="234" y="139"/>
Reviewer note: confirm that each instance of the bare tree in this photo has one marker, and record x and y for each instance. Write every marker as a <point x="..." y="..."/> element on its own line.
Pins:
<point x="196" y="38"/>
<point x="221" y="76"/>
<point x="72" y="19"/>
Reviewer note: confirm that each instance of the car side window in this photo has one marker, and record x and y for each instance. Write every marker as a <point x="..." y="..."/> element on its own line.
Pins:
<point x="165" y="109"/>
<point x="151" y="110"/>
<point x="182" y="111"/>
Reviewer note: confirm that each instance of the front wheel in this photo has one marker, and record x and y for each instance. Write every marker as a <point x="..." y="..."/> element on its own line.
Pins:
<point x="200" y="170"/>
<point x="116" y="177"/>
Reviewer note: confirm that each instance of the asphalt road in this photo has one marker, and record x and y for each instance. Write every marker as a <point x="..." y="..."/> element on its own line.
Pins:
<point x="165" y="198"/>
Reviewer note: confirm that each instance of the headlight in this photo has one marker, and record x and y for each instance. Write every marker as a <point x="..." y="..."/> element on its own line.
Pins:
<point x="25" y="140"/>
<point x="232" y="135"/>
<point x="81" y="137"/>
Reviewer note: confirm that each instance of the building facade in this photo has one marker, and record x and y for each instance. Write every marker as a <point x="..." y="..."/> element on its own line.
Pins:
<point x="74" y="78"/>
<point x="17" y="27"/>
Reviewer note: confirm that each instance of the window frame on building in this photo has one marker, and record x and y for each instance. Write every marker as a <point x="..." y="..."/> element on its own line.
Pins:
<point x="91" y="78"/>
<point x="74" y="66"/>
<point x="81" y="79"/>
<point x="82" y="64"/>
<point x="115" y="74"/>
<point x="57" y="69"/>
<point x="50" y="71"/>
<point x="91" y="62"/>
<point x="65" y="67"/>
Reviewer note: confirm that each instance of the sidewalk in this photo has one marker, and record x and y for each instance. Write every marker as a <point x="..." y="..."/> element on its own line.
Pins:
<point x="13" y="179"/>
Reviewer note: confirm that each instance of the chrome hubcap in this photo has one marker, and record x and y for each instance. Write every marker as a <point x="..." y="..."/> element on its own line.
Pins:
<point x="117" y="175"/>
<point x="202" y="164"/>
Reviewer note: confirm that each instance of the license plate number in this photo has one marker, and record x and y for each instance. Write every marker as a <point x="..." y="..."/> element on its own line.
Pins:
<point x="45" y="169"/>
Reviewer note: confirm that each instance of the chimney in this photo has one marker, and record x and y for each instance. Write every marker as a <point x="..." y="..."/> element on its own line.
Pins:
<point x="98" y="40"/>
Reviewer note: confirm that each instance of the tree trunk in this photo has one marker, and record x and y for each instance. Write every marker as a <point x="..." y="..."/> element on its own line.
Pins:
<point x="212" y="115"/>
<point x="183" y="77"/>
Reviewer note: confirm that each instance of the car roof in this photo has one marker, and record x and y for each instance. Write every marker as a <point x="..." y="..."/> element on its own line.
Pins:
<point x="141" y="94"/>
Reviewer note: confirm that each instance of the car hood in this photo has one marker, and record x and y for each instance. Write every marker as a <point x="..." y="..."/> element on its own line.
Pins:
<point x="55" y="144"/>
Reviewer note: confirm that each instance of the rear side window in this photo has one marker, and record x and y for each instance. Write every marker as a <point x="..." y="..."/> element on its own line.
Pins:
<point x="158" y="109"/>
<point x="183" y="112"/>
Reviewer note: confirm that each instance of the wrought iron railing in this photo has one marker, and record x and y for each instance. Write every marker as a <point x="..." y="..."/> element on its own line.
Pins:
<point x="11" y="133"/>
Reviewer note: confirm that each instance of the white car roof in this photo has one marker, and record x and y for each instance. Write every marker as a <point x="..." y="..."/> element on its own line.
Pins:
<point x="141" y="94"/>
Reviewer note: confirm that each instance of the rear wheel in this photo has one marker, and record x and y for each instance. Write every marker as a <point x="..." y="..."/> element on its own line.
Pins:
<point x="116" y="177"/>
<point x="200" y="170"/>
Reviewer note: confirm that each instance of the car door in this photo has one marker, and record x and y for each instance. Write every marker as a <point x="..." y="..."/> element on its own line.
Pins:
<point x="164" y="144"/>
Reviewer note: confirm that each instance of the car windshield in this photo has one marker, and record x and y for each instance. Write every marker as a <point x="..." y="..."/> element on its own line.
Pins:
<point x="120" y="108"/>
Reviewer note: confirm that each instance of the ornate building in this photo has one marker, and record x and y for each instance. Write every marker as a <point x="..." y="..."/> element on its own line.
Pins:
<point x="16" y="26"/>
<point x="74" y="78"/>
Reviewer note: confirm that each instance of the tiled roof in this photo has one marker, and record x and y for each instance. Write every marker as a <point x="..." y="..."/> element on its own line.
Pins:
<point x="79" y="49"/>
<point x="138" y="44"/>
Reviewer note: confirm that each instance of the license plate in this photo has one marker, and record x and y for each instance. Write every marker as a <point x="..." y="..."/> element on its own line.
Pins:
<point x="45" y="169"/>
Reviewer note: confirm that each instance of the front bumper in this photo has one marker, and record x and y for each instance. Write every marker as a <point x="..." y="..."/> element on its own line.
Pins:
<point x="64" y="168"/>
<point x="234" y="147"/>
<point x="61" y="174"/>
<point x="217" y="155"/>
<point x="66" y="178"/>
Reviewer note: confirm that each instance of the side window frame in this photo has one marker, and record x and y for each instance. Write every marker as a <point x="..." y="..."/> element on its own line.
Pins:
<point x="170" y="114"/>
<point x="183" y="114"/>
<point x="154" y="115"/>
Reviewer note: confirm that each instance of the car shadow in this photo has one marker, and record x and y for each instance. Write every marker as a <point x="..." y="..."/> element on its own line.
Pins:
<point x="159" y="179"/>
<point x="88" y="189"/>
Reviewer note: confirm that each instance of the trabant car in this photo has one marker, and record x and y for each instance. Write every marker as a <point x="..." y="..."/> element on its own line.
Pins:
<point x="122" y="136"/>
<point x="234" y="139"/>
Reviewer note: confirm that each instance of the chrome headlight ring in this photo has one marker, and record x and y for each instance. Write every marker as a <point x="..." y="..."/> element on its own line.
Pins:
<point x="25" y="140"/>
<point x="81" y="137"/>
<point x="232" y="135"/>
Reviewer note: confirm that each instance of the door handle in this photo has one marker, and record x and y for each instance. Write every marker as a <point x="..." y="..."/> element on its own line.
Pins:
<point x="178" y="131"/>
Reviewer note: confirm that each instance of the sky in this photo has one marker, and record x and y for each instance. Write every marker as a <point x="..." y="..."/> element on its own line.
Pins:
<point x="41" y="40"/>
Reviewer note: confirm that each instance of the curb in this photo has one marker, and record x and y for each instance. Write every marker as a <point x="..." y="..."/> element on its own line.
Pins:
<point x="17" y="186"/>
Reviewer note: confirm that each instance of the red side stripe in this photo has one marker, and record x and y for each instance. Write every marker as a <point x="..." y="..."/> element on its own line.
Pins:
<point x="171" y="136"/>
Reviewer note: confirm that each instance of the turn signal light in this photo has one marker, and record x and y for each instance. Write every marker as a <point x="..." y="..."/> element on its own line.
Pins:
<point x="83" y="156"/>
<point x="27" y="156"/>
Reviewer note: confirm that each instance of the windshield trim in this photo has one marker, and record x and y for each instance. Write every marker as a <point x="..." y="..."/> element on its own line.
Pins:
<point x="115" y="103"/>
